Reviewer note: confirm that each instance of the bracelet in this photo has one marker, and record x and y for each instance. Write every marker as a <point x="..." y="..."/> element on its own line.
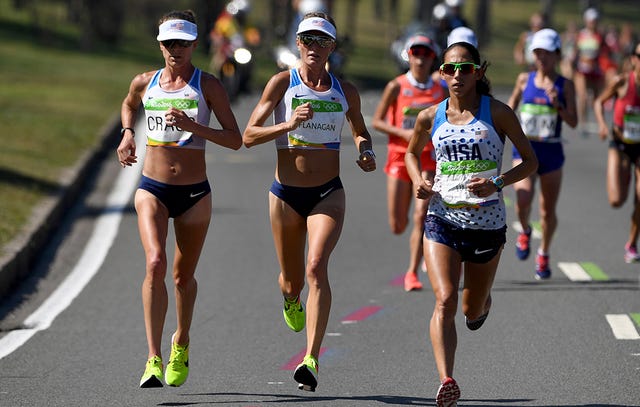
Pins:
<point x="370" y="152"/>
<point x="498" y="182"/>
<point x="125" y="129"/>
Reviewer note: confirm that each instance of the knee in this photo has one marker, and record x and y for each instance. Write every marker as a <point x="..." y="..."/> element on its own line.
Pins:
<point x="183" y="281"/>
<point x="398" y="226"/>
<point x="156" y="265"/>
<point x="317" y="272"/>
<point x="446" y="305"/>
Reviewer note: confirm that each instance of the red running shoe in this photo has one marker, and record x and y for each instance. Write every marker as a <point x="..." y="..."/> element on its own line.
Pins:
<point x="448" y="393"/>
<point x="411" y="282"/>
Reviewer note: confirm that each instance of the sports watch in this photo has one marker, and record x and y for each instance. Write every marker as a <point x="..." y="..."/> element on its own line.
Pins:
<point x="498" y="181"/>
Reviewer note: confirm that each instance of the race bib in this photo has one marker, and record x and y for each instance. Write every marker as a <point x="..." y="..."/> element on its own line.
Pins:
<point x="631" y="130"/>
<point x="538" y="121"/>
<point x="452" y="178"/>
<point x="409" y="116"/>
<point x="324" y="130"/>
<point x="159" y="133"/>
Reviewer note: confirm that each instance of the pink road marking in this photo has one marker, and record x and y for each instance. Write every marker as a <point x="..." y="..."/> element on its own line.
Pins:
<point x="295" y="360"/>
<point x="398" y="281"/>
<point x="362" y="314"/>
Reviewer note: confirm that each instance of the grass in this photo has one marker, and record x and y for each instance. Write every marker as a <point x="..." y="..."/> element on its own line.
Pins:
<point x="55" y="97"/>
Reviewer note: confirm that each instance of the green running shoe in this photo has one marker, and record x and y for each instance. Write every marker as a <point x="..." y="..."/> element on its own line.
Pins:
<point x="294" y="314"/>
<point x="306" y="374"/>
<point x="152" y="376"/>
<point x="178" y="366"/>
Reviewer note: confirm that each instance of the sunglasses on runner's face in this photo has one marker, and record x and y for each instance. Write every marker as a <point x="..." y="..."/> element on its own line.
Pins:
<point x="309" y="39"/>
<point x="180" y="43"/>
<point x="421" y="52"/>
<point x="465" y="68"/>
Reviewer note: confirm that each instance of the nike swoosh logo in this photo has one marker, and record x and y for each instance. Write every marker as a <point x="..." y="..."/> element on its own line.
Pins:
<point x="323" y="194"/>
<point x="444" y="136"/>
<point x="197" y="194"/>
<point x="299" y="96"/>
<point x="482" y="251"/>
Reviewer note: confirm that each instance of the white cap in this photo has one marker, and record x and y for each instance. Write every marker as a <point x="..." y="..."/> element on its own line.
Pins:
<point x="546" y="39"/>
<point x="177" y="30"/>
<point x="317" y="24"/>
<point x="454" y="3"/>
<point x="591" y="14"/>
<point x="462" y="34"/>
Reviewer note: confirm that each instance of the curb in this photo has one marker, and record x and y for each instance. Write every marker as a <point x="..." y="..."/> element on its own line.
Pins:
<point x="18" y="255"/>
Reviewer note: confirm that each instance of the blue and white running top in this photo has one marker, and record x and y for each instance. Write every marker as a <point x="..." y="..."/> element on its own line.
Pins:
<point x="464" y="152"/>
<point x="189" y="99"/>
<point x="329" y="109"/>
<point x="539" y="119"/>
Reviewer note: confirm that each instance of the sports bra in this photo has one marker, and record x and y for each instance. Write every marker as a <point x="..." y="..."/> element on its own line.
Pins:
<point x="324" y="130"/>
<point x="189" y="99"/>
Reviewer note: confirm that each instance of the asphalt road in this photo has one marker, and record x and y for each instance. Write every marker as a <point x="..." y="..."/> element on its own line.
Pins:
<point x="552" y="343"/>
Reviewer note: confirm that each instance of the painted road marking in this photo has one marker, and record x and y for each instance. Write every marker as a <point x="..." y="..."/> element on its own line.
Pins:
<point x="622" y="326"/>
<point x="584" y="271"/>
<point x="361" y="314"/>
<point x="93" y="255"/>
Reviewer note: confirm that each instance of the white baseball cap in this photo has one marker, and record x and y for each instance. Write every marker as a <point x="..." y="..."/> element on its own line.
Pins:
<point x="317" y="24"/>
<point x="462" y="34"/>
<point x="591" y="14"/>
<point x="546" y="39"/>
<point x="177" y="30"/>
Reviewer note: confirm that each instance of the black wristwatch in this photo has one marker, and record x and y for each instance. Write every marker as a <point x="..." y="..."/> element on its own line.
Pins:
<point x="122" y="130"/>
<point x="498" y="182"/>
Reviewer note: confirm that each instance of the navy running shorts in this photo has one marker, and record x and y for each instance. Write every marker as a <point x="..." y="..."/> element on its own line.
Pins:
<point x="176" y="198"/>
<point x="474" y="245"/>
<point x="304" y="199"/>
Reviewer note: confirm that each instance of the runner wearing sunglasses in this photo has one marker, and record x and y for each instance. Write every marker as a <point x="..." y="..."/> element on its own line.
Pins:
<point x="306" y="199"/>
<point x="178" y="101"/>
<point x="402" y="99"/>
<point x="547" y="99"/>
<point x="465" y="227"/>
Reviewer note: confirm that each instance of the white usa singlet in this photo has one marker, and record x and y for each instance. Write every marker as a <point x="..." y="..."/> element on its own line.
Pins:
<point x="464" y="152"/>
<point x="189" y="99"/>
<point x="329" y="109"/>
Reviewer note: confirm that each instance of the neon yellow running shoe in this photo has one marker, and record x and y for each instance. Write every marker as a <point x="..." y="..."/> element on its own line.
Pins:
<point x="178" y="366"/>
<point x="306" y="374"/>
<point x="294" y="314"/>
<point x="152" y="376"/>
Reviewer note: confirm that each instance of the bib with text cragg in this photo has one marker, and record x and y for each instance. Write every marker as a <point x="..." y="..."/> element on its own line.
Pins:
<point x="538" y="121"/>
<point x="161" y="134"/>
<point x="323" y="131"/>
<point x="631" y="130"/>
<point x="451" y="182"/>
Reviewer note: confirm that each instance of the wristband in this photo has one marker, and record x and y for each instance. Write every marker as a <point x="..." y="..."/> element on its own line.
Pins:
<point x="125" y="129"/>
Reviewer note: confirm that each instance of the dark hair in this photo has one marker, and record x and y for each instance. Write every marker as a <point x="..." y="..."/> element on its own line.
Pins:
<point x="322" y="15"/>
<point x="483" y="86"/>
<point x="187" y="15"/>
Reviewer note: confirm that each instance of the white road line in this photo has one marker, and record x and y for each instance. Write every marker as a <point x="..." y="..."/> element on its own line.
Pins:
<point x="93" y="256"/>
<point x="622" y="326"/>
<point x="574" y="271"/>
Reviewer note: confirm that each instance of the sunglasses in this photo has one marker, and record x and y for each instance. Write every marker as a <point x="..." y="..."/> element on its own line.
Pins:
<point x="309" y="39"/>
<point x="421" y="52"/>
<point x="637" y="54"/>
<point x="180" y="43"/>
<point x="465" y="68"/>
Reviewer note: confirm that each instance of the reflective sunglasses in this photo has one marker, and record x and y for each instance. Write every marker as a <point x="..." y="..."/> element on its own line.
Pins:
<point x="309" y="39"/>
<point x="180" y="43"/>
<point x="465" y="68"/>
<point x="421" y="52"/>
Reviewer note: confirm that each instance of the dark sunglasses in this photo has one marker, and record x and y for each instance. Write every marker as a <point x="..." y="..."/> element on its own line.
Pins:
<point x="637" y="55"/>
<point x="180" y="43"/>
<point x="421" y="52"/>
<point x="465" y="68"/>
<point x="309" y="39"/>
